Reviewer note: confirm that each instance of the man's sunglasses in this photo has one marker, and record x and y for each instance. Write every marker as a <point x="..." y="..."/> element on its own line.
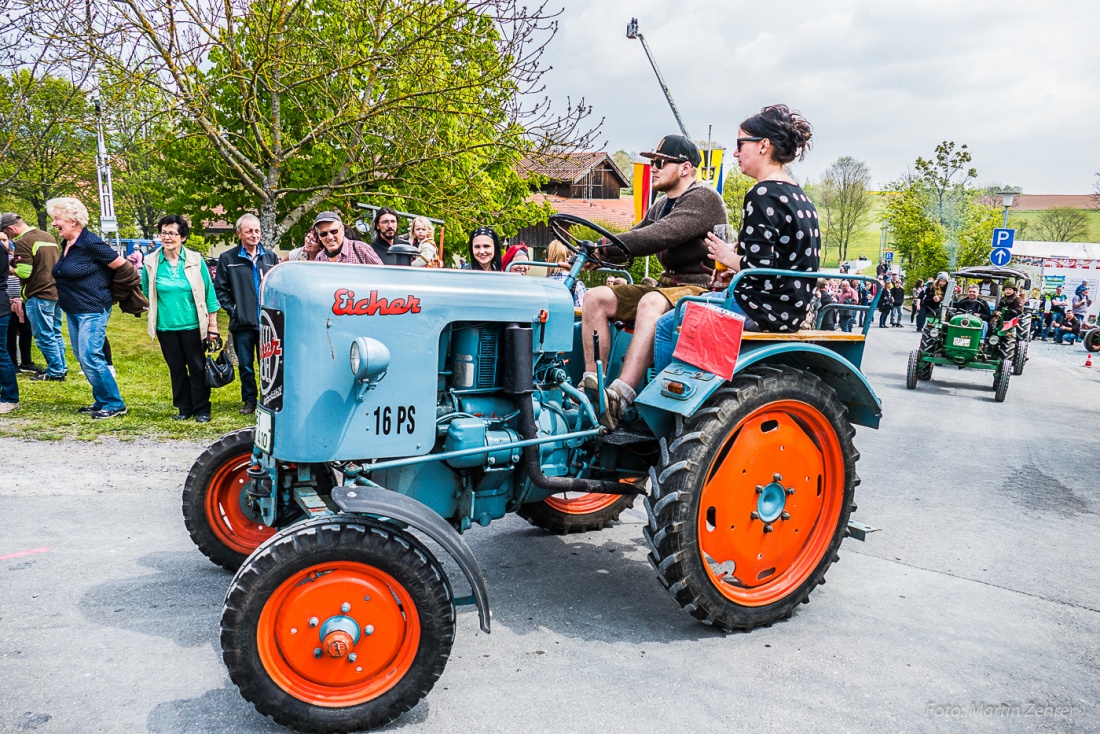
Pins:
<point x="741" y="141"/>
<point x="659" y="163"/>
<point x="329" y="233"/>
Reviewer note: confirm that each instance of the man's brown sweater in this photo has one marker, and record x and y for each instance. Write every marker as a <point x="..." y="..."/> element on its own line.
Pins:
<point x="36" y="252"/>
<point x="678" y="237"/>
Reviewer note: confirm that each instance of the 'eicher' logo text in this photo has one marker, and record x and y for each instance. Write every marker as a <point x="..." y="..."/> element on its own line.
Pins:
<point x="346" y="305"/>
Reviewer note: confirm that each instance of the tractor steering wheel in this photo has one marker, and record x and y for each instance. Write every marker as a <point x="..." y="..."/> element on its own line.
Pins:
<point x="558" y="224"/>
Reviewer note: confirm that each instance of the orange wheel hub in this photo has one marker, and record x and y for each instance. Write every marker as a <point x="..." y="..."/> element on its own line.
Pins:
<point x="771" y="502"/>
<point x="338" y="634"/>
<point x="230" y="520"/>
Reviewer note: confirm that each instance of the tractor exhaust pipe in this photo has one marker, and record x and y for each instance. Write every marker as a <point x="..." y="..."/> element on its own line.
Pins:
<point x="519" y="381"/>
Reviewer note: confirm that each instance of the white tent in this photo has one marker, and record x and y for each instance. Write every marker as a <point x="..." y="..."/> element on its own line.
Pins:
<point x="1067" y="264"/>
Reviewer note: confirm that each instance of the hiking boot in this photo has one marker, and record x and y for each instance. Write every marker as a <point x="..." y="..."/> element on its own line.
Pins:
<point x="45" y="377"/>
<point x="247" y="409"/>
<point x="99" y="414"/>
<point x="614" y="413"/>
<point x="88" y="410"/>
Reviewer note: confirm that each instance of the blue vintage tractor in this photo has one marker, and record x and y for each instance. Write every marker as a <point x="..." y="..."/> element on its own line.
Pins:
<point x="397" y="400"/>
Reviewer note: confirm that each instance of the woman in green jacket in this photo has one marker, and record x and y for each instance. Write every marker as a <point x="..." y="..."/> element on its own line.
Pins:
<point x="182" y="315"/>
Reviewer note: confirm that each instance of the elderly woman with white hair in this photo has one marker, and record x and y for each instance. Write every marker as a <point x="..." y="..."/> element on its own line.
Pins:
<point x="83" y="276"/>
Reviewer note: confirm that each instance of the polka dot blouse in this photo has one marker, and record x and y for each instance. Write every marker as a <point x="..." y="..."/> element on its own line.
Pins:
<point x="779" y="230"/>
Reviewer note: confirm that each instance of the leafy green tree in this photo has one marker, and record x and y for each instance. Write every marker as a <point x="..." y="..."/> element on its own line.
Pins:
<point x="945" y="177"/>
<point x="287" y="106"/>
<point x="975" y="237"/>
<point x="918" y="238"/>
<point x="47" y="127"/>
<point x="1062" y="224"/>
<point x="625" y="162"/>
<point x="734" y="188"/>
<point x="845" y="202"/>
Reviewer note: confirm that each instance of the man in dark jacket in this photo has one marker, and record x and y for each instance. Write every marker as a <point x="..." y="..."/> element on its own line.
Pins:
<point x="385" y="235"/>
<point x="976" y="306"/>
<point x="674" y="229"/>
<point x="237" y="285"/>
<point x="36" y="253"/>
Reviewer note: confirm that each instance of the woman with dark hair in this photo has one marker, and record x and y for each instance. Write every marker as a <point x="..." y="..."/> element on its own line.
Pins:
<point x="183" y="315"/>
<point x="779" y="230"/>
<point x="484" y="250"/>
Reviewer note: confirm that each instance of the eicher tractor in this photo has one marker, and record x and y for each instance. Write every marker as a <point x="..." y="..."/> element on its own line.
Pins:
<point x="955" y="338"/>
<point x="401" y="407"/>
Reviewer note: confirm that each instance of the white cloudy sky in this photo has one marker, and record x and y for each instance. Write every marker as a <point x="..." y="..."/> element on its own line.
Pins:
<point x="883" y="81"/>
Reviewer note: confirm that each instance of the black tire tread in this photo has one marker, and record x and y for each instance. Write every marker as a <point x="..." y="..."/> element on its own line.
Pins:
<point x="542" y="515"/>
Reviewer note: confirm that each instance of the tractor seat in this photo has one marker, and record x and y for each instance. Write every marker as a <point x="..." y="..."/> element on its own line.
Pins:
<point x="807" y="335"/>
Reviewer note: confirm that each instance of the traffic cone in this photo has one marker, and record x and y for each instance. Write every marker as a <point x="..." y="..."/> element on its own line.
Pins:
<point x="1088" y="360"/>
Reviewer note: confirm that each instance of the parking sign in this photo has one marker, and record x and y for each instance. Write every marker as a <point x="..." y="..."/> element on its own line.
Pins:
<point x="1003" y="238"/>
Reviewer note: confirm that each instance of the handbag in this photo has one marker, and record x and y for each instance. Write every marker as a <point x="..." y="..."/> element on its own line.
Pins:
<point x="219" y="370"/>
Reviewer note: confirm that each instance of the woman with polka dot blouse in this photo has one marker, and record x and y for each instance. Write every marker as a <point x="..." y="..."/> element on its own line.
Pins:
<point x="779" y="230"/>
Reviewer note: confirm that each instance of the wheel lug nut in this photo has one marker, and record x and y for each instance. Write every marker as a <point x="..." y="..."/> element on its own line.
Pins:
<point x="768" y="528"/>
<point x="785" y="516"/>
<point x="313" y="621"/>
<point x="316" y="652"/>
<point x="790" y="490"/>
<point x="754" y="515"/>
<point x="759" y="489"/>
<point x="345" y="607"/>
<point x="368" y="630"/>
<point x="352" y="657"/>
<point x="777" y="477"/>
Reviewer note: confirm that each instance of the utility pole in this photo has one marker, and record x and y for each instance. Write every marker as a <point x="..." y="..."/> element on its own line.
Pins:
<point x="632" y="32"/>
<point x="108" y="223"/>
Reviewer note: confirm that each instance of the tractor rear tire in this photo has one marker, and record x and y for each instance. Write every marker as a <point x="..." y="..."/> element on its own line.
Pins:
<point x="1000" y="381"/>
<point x="1091" y="340"/>
<point x="576" y="512"/>
<point x="340" y="623"/>
<point x="912" y="370"/>
<point x="751" y="501"/>
<point x="1020" y="358"/>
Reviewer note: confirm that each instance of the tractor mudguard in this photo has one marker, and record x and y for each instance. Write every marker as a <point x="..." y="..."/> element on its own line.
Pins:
<point x="388" y="504"/>
<point x="657" y="405"/>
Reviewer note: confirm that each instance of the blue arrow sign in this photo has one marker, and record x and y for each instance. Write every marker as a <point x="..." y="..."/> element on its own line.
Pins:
<point x="1000" y="255"/>
<point x="1003" y="238"/>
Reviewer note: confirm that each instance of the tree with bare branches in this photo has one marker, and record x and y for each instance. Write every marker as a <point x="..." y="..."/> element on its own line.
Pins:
<point x="287" y="105"/>
<point x="845" y="201"/>
<point x="1062" y="224"/>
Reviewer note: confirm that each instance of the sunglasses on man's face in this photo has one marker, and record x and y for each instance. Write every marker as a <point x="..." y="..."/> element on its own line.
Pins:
<point x="327" y="234"/>
<point x="659" y="163"/>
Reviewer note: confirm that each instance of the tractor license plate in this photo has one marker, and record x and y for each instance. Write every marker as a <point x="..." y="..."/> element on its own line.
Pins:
<point x="961" y="341"/>
<point x="264" y="431"/>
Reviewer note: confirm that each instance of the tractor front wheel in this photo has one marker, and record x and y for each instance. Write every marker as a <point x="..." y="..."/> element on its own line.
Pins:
<point x="576" y="512"/>
<point x="338" y="624"/>
<point x="1019" y="359"/>
<point x="913" y="369"/>
<point x="1000" y="381"/>
<point x="752" y="498"/>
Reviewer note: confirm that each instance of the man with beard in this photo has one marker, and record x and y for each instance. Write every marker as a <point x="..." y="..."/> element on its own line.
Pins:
<point x="674" y="229"/>
<point x="385" y="235"/>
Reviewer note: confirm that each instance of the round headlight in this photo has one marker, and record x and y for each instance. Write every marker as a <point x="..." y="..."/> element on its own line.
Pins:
<point x="356" y="359"/>
<point x="369" y="359"/>
<point x="994" y="340"/>
<point x="933" y="333"/>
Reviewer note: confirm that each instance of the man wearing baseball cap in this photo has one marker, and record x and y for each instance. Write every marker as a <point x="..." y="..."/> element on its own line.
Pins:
<point x="328" y="228"/>
<point x="674" y="229"/>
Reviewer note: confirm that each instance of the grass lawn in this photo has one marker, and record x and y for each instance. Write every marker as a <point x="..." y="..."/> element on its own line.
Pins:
<point x="47" y="410"/>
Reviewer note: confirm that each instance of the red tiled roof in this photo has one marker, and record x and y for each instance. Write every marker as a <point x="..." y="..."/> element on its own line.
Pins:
<point x="1040" y="202"/>
<point x="618" y="212"/>
<point x="569" y="167"/>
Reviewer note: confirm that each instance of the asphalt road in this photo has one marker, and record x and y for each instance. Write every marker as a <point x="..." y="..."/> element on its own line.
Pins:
<point x="975" y="608"/>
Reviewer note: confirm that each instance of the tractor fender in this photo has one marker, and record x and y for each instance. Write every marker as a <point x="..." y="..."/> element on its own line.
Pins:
<point x="658" y="407"/>
<point x="385" y="503"/>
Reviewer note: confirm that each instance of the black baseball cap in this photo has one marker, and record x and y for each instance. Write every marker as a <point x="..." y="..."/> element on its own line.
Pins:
<point x="678" y="148"/>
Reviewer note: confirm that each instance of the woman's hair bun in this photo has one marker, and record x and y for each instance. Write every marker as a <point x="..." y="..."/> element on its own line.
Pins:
<point x="789" y="132"/>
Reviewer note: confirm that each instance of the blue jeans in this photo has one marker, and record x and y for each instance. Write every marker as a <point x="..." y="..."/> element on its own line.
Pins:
<point x="847" y="320"/>
<point x="9" y="388"/>
<point x="245" y="343"/>
<point x="86" y="334"/>
<point x="45" y="317"/>
<point x="664" y="341"/>
<point x="1065" y="337"/>
<point x="895" y="317"/>
<point x="1055" y="320"/>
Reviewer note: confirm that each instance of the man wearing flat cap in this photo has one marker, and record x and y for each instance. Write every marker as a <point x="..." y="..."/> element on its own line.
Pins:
<point x="336" y="247"/>
<point x="674" y="229"/>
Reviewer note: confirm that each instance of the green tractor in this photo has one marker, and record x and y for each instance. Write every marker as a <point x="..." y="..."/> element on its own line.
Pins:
<point x="962" y="335"/>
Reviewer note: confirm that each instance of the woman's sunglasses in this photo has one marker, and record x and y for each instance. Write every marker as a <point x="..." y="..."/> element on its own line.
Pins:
<point x="741" y="141"/>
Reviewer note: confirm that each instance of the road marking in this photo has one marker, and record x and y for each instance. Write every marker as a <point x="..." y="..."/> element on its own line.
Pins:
<point x="20" y="554"/>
